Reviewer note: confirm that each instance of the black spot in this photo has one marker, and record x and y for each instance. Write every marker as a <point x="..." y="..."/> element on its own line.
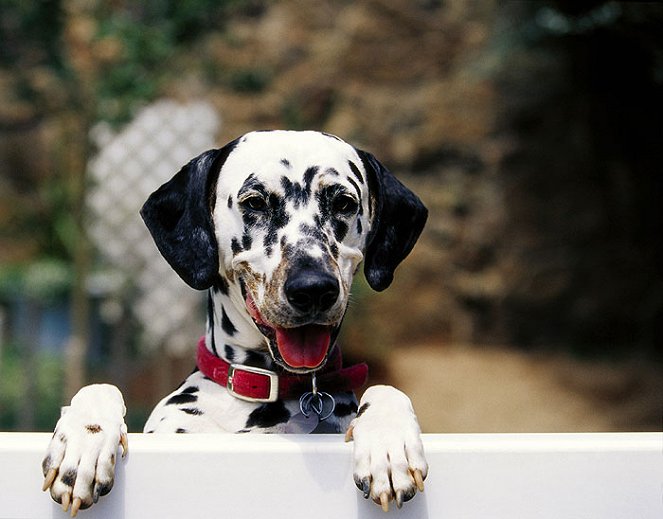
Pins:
<point x="356" y="172"/>
<point x="268" y="415"/>
<point x="311" y="231"/>
<point x="334" y="250"/>
<point x="268" y="251"/>
<point x="210" y="321"/>
<point x="332" y="171"/>
<point x="286" y="163"/>
<point x="85" y="505"/>
<point x="235" y="246"/>
<point x="359" y="227"/>
<point x="229" y="353"/>
<point x="250" y="218"/>
<point x="93" y="428"/>
<point x="340" y="229"/>
<point x="357" y="188"/>
<point x="179" y="430"/>
<point x="343" y="409"/>
<point x="150" y="431"/>
<point x="409" y="494"/>
<point x="46" y="464"/>
<point x="294" y="191"/>
<point x="258" y="360"/>
<point x="230" y="201"/>
<point x="247" y="239"/>
<point x="69" y="477"/>
<point x="101" y="489"/>
<point x="325" y="196"/>
<point x="190" y="390"/>
<point x="192" y="410"/>
<point x="279" y="219"/>
<point x="309" y="175"/>
<point x="221" y="285"/>
<point x="182" y="398"/>
<point x="362" y="409"/>
<point x="227" y="324"/>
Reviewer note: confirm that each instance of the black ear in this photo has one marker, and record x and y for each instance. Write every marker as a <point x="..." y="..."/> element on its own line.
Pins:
<point x="179" y="217"/>
<point x="398" y="221"/>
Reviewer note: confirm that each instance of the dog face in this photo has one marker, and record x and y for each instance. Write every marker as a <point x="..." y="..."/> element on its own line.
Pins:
<point x="288" y="217"/>
<point x="289" y="223"/>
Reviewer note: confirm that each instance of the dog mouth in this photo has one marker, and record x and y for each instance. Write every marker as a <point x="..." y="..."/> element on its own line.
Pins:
<point x="301" y="348"/>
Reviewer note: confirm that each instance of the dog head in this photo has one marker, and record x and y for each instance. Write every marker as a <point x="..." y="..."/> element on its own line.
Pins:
<point x="287" y="217"/>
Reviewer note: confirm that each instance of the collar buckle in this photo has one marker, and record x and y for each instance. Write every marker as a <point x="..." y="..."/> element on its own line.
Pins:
<point x="273" y="377"/>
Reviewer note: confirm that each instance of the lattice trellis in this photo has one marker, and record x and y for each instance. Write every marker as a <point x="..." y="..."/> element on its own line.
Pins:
<point x="129" y="166"/>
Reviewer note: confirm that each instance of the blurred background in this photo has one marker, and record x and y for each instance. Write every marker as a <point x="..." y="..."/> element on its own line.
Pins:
<point x="531" y="130"/>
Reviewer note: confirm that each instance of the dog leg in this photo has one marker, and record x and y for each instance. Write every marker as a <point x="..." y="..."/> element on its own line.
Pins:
<point x="389" y="462"/>
<point x="79" y="465"/>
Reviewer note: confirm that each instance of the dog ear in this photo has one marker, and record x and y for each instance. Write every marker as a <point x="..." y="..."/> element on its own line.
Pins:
<point x="179" y="218"/>
<point x="398" y="221"/>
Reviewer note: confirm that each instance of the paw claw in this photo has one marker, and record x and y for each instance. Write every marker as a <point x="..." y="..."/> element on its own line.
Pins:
<point x="65" y="501"/>
<point x="384" y="501"/>
<point x="125" y="444"/>
<point x="418" y="479"/>
<point x="76" y="505"/>
<point x="49" y="478"/>
<point x="348" y="434"/>
<point x="399" y="499"/>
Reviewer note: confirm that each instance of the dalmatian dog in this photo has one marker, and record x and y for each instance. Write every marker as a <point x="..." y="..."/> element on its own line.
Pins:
<point x="274" y="225"/>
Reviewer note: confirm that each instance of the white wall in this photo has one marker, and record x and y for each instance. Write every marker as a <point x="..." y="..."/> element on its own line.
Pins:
<point x="592" y="476"/>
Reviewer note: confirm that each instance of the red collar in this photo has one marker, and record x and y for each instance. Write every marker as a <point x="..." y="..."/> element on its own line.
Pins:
<point x="262" y="385"/>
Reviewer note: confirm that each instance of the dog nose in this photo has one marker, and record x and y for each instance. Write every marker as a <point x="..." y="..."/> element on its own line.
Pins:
<point x="311" y="291"/>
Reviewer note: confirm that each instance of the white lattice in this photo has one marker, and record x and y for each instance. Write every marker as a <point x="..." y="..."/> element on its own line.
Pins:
<point x="129" y="166"/>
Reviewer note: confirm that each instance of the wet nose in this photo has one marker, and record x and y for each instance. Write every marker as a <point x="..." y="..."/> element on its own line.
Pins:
<point x="311" y="291"/>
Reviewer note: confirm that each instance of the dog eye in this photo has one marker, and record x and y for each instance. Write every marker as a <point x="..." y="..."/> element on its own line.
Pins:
<point x="345" y="204"/>
<point x="254" y="203"/>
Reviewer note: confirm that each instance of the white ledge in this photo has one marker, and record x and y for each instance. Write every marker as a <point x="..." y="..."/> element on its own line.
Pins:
<point x="495" y="476"/>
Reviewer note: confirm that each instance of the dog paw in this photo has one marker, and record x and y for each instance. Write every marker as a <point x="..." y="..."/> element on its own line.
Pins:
<point x="79" y="465"/>
<point x="388" y="456"/>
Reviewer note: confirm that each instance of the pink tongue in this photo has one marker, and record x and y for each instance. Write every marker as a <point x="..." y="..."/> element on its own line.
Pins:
<point x="303" y="347"/>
